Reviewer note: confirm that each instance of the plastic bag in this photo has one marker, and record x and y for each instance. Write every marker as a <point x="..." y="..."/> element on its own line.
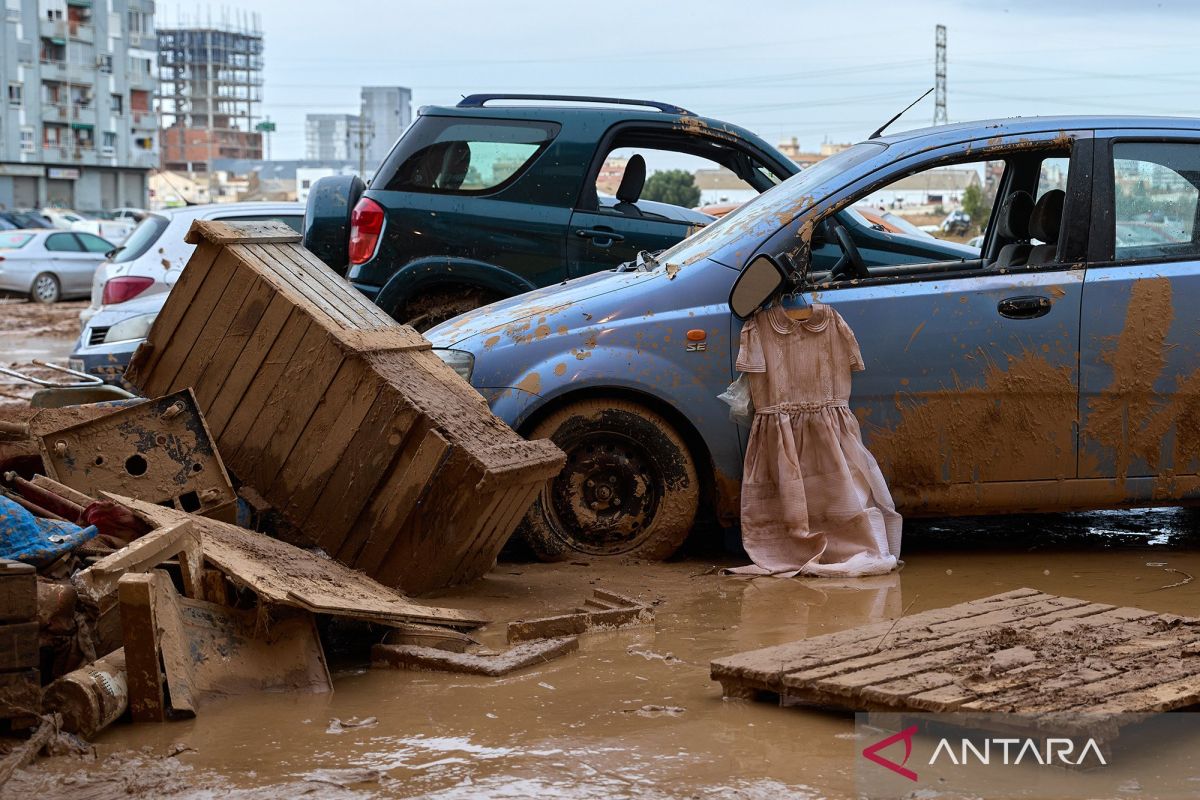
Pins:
<point x="737" y="397"/>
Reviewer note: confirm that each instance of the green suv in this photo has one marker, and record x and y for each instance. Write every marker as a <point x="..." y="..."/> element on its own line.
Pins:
<point x="502" y="194"/>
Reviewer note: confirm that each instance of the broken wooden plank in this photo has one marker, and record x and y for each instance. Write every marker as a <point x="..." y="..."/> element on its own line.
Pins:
<point x="18" y="591"/>
<point x="143" y="658"/>
<point x="282" y="574"/>
<point x="629" y="615"/>
<point x="523" y="655"/>
<point x="100" y="579"/>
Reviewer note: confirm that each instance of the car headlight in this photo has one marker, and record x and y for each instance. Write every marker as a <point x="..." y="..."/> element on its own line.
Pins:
<point x="460" y="361"/>
<point x="133" y="328"/>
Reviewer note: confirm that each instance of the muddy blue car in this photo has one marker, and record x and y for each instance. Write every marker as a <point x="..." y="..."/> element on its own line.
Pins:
<point x="1054" y="368"/>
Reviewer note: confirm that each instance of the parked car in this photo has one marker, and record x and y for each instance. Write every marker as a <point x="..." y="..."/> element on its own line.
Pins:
<point x="46" y="265"/>
<point x="11" y="220"/>
<point x="146" y="267"/>
<point x="956" y="223"/>
<point x="482" y="200"/>
<point x="1054" y="369"/>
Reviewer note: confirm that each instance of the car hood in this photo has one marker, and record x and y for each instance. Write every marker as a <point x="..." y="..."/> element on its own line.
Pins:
<point x="556" y="299"/>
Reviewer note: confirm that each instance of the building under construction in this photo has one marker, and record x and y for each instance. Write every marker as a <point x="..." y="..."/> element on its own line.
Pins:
<point x="210" y="88"/>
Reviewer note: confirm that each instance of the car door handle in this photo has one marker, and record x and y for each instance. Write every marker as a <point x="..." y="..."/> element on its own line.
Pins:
<point x="599" y="236"/>
<point x="1027" y="307"/>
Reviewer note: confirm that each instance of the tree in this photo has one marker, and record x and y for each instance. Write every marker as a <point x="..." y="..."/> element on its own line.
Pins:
<point x="674" y="186"/>
<point x="975" y="204"/>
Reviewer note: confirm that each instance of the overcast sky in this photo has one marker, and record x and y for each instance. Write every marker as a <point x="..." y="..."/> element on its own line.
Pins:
<point x="815" y="70"/>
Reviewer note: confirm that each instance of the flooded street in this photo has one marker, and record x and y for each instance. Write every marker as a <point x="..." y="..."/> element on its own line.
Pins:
<point x="31" y="331"/>
<point x="633" y="714"/>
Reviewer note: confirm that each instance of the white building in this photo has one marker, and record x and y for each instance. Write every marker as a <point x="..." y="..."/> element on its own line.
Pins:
<point x="386" y="113"/>
<point x="327" y="137"/>
<point x="936" y="187"/>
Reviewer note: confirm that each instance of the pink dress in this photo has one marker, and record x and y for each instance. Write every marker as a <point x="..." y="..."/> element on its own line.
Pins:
<point x="813" y="499"/>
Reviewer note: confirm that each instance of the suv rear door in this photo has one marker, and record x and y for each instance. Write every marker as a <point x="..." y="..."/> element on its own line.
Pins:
<point x="1140" y="353"/>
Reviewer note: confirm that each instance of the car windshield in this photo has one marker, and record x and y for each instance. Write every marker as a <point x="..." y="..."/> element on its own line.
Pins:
<point x="778" y="205"/>
<point x="142" y="239"/>
<point x="14" y="241"/>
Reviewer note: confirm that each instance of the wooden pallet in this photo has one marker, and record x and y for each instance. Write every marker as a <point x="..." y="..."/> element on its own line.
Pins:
<point x="1020" y="652"/>
<point x="342" y="419"/>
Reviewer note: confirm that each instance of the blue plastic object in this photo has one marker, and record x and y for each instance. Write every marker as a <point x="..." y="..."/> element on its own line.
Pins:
<point x="33" y="540"/>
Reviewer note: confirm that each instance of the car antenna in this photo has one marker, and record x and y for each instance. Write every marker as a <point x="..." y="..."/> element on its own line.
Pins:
<point x="883" y="127"/>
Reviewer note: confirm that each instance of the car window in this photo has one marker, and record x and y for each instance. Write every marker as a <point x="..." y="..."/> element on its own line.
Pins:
<point x="293" y="221"/>
<point x="1156" y="186"/>
<point x="674" y="183"/>
<point x="14" y="241"/>
<point x="63" y="243"/>
<point x="141" y="239"/>
<point x="462" y="156"/>
<point x="94" y="244"/>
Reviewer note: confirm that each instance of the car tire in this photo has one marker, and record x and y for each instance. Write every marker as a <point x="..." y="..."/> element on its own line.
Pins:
<point x="45" y="289"/>
<point x="432" y="308"/>
<point x="629" y="488"/>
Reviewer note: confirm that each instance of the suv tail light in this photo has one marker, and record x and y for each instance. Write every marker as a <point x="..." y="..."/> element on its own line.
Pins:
<point x="366" y="223"/>
<point x="118" y="290"/>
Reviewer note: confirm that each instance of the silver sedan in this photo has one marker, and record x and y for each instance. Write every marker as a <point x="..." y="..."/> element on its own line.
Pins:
<point x="49" y="265"/>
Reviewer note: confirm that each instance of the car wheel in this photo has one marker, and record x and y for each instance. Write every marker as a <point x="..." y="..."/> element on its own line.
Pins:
<point x="45" y="289"/>
<point x="433" y="308"/>
<point x="629" y="487"/>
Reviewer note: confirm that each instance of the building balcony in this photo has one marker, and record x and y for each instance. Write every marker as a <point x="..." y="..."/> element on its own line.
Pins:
<point x="54" y="29"/>
<point x="82" y="32"/>
<point x="54" y="70"/>
<point x="144" y="120"/>
<point x="55" y="112"/>
<point x="144" y="159"/>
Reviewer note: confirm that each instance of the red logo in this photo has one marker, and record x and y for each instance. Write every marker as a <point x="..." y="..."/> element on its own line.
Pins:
<point x="906" y="735"/>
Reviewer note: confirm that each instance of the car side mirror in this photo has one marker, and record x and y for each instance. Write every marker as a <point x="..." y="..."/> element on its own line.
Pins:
<point x="761" y="278"/>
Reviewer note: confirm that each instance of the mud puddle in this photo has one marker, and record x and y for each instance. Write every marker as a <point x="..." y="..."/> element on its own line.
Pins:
<point x="29" y="331"/>
<point x="634" y="713"/>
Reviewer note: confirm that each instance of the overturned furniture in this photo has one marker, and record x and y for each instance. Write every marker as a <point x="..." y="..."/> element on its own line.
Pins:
<point x="342" y="419"/>
<point x="1023" y="654"/>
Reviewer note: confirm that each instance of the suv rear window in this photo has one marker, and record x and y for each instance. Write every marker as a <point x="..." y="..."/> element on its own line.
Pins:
<point x="454" y="155"/>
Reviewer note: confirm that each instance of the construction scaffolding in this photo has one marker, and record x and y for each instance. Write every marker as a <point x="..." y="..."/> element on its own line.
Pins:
<point x="210" y="90"/>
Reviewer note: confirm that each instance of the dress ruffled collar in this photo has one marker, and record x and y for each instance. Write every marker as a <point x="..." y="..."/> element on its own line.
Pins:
<point x="782" y="323"/>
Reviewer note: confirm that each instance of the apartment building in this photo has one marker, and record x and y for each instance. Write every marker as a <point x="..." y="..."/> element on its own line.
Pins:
<point x="77" y="124"/>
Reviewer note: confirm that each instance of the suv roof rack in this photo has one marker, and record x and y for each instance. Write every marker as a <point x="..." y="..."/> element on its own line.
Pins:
<point x="478" y="101"/>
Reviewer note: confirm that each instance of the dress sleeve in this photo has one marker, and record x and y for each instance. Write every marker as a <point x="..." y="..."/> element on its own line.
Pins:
<point x="856" y="360"/>
<point x="750" y="353"/>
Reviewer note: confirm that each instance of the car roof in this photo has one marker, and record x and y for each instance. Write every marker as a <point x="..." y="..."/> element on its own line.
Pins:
<point x="263" y="206"/>
<point x="1016" y="126"/>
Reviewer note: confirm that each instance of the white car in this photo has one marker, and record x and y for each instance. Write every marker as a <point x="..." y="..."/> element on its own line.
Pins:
<point x="47" y="265"/>
<point x="151" y="259"/>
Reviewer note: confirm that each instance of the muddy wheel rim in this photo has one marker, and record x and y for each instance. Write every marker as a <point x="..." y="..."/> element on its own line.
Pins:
<point x="606" y="497"/>
<point x="44" y="288"/>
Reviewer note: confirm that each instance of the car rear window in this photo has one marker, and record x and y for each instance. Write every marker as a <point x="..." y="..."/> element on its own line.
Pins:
<point x="454" y="155"/>
<point x="14" y="241"/>
<point x="142" y="239"/>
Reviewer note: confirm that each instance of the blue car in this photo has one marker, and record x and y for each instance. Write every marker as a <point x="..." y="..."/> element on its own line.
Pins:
<point x="1054" y="368"/>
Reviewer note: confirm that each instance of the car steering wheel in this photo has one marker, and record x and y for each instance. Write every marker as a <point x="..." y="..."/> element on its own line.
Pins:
<point x="851" y="264"/>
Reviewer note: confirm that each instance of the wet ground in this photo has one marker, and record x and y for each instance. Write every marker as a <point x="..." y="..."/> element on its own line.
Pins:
<point x="634" y="713"/>
<point x="31" y="331"/>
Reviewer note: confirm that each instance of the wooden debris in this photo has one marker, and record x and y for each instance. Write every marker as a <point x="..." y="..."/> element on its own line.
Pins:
<point x="284" y="575"/>
<point x="146" y="552"/>
<point x="20" y="684"/>
<point x="27" y="751"/>
<point x="62" y="490"/>
<point x="1021" y="652"/>
<point x="604" y="611"/>
<point x="521" y="656"/>
<point x="158" y="450"/>
<point x="429" y="636"/>
<point x="176" y="648"/>
<point x="342" y="419"/>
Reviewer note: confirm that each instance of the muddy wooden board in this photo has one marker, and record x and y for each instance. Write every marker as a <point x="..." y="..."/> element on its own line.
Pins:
<point x="282" y="574"/>
<point x="341" y="419"/>
<point x="1021" y="652"/>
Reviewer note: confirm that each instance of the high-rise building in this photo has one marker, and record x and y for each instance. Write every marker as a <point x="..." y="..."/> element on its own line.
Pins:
<point x="386" y="113"/>
<point x="77" y="125"/>
<point x="327" y="137"/>
<point x="210" y="92"/>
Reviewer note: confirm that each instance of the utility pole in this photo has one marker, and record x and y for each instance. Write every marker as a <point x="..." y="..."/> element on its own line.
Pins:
<point x="364" y="129"/>
<point x="939" y="72"/>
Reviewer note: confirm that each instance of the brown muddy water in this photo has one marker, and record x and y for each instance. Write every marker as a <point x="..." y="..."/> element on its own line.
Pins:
<point x="634" y="713"/>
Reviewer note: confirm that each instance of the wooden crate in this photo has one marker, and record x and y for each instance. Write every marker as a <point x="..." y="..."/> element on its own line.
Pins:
<point x="341" y="418"/>
<point x="1023" y="653"/>
<point x="20" y="687"/>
